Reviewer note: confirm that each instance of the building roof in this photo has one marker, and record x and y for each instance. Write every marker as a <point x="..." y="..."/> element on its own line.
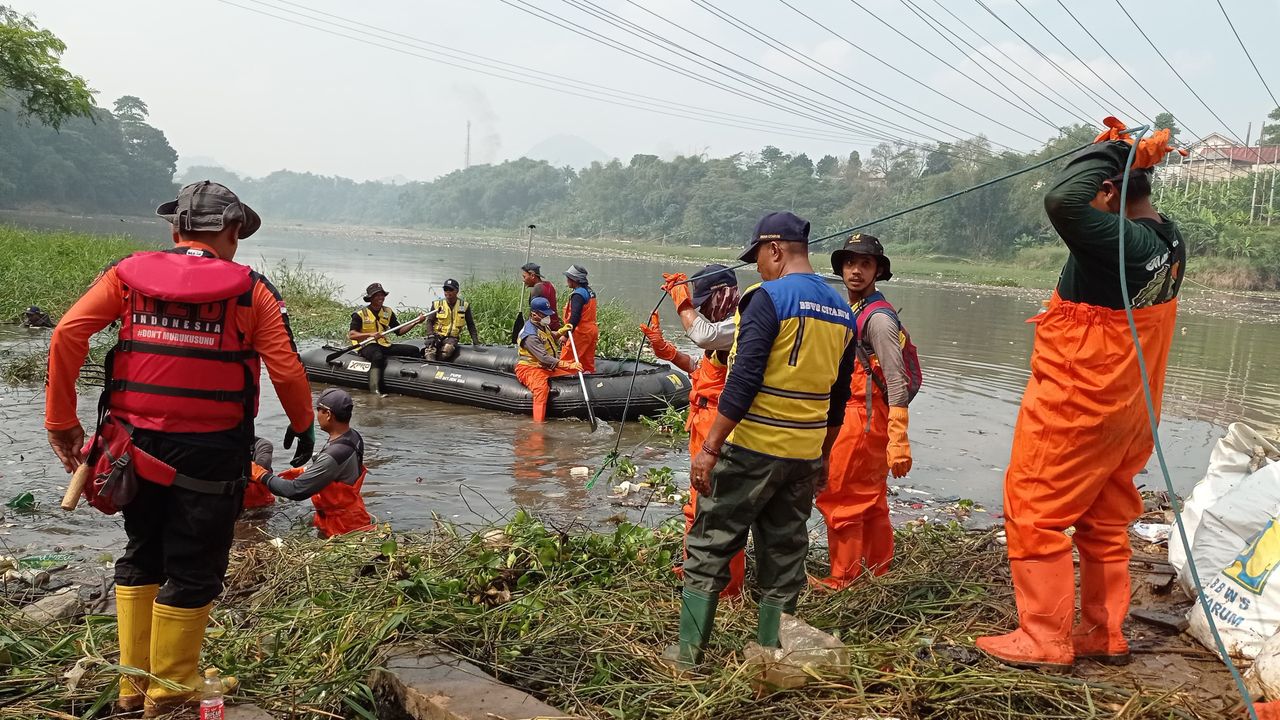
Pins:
<point x="1268" y="155"/>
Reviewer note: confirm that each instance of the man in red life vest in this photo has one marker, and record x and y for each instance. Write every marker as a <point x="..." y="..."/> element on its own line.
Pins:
<point x="873" y="440"/>
<point x="706" y="312"/>
<point x="335" y="475"/>
<point x="183" y="379"/>
<point x="580" y="320"/>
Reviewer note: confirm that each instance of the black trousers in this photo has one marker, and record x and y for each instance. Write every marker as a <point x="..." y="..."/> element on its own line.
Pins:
<point x="377" y="354"/>
<point x="181" y="539"/>
<point x="446" y="346"/>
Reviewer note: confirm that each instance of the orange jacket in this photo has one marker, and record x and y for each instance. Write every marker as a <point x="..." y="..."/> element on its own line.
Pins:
<point x="265" y="326"/>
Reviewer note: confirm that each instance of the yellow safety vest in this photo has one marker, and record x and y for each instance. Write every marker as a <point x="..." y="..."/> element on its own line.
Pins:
<point x="370" y="324"/>
<point x="450" y="320"/>
<point x="548" y="341"/>
<point x="788" y="418"/>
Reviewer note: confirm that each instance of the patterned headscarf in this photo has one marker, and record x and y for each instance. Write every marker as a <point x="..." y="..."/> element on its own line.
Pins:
<point x="722" y="304"/>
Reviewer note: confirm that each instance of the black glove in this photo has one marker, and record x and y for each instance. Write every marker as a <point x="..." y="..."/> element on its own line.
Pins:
<point x="306" y="444"/>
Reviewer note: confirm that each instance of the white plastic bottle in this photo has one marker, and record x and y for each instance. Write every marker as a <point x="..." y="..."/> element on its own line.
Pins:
<point x="211" y="705"/>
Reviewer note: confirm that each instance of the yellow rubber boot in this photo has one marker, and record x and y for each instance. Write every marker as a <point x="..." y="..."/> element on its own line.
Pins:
<point x="176" y="635"/>
<point x="133" y="626"/>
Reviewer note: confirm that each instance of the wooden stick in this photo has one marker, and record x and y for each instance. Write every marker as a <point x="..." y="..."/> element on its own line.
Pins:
<point x="76" y="488"/>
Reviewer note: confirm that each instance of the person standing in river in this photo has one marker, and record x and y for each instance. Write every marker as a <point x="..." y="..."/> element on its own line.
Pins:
<point x="765" y="455"/>
<point x="539" y="357"/>
<point x="1082" y="432"/>
<point x="182" y="385"/>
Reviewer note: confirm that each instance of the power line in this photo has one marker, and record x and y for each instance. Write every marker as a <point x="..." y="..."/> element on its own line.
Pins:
<point x="644" y="102"/>
<point x="937" y="28"/>
<point x="996" y="47"/>
<point x="906" y="75"/>
<point x="1181" y="79"/>
<point x="1246" y="54"/>
<point x="1137" y="113"/>
<point x="822" y="68"/>
<point x="970" y="78"/>
<point x="1089" y="93"/>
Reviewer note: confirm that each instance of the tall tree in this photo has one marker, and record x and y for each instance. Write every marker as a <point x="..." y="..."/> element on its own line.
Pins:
<point x="1271" y="131"/>
<point x="1165" y="121"/>
<point x="828" y="166"/>
<point x="31" y="65"/>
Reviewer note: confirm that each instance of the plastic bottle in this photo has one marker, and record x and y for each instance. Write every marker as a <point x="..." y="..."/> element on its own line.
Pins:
<point x="211" y="705"/>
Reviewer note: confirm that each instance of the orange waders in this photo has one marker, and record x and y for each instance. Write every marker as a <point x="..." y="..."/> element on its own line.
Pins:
<point x="1082" y="436"/>
<point x="586" y="335"/>
<point x="855" y="504"/>
<point x="707" y="382"/>
<point x="339" y="507"/>
<point x="256" y="494"/>
<point x="535" y="378"/>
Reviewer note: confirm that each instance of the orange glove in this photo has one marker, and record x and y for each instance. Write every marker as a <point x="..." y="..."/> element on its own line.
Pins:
<point x="678" y="286"/>
<point x="1151" y="150"/>
<point x="1114" y="131"/>
<point x="899" y="452"/>
<point x="662" y="349"/>
<point x="574" y="366"/>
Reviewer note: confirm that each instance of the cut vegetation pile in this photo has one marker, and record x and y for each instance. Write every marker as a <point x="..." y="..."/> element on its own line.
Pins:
<point x="579" y="619"/>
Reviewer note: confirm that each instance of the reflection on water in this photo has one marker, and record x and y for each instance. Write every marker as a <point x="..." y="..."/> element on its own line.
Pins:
<point x="432" y="460"/>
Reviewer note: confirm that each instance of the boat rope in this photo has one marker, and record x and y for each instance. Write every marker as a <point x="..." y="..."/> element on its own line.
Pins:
<point x="1154" y="422"/>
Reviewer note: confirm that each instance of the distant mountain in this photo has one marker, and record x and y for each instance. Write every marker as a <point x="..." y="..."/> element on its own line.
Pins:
<point x="186" y="162"/>
<point x="561" y="150"/>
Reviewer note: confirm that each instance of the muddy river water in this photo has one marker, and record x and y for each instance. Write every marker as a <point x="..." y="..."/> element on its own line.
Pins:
<point x="431" y="460"/>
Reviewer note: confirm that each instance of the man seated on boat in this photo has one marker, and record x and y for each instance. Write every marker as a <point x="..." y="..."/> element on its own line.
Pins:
<point x="335" y="474"/>
<point x="446" y="318"/>
<point x="540" y="356"/>
<point x="375" y="321"/>
<point x="580" y="320"/>
<point x="539" y="288"/>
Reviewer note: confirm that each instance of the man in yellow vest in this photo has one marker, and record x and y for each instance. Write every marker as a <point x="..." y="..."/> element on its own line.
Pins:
<point x="765" y="455"/>
<point x="375" y="321"/>
<point x="447" y="317"/>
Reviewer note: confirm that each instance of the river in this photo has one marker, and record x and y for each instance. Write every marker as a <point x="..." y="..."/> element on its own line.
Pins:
<point x="431" y="460"/>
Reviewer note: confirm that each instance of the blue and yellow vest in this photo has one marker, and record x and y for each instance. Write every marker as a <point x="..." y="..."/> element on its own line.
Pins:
<point x="788" y="418"/>
<point x="545" y="336"/>
<point x="450" y="320"/>
<point x="370" y="324"/>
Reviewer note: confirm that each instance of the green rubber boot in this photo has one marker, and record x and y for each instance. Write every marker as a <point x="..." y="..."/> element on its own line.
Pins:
<point x="375" y="380"/>
<point x="697" y="616"/>
<point x="769" y="622"/>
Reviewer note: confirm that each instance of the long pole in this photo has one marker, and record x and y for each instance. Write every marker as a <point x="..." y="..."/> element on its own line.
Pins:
<point x="586" y="396"/>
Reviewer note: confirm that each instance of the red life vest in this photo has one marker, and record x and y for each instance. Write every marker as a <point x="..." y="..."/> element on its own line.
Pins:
<point x="181" y="363"/>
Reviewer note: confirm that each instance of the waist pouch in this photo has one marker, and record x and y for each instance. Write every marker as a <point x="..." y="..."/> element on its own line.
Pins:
<point x="117" y="464"/>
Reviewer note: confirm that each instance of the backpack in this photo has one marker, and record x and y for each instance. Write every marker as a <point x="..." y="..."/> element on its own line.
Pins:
<point x="910" y="355"/>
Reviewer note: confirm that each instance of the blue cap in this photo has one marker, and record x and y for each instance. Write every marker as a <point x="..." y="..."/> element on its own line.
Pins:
<point x="541" y="305"/>
<point x="776" y="226"/>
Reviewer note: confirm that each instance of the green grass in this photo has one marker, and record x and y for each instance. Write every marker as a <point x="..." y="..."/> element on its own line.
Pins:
<point x="52" y="268"/>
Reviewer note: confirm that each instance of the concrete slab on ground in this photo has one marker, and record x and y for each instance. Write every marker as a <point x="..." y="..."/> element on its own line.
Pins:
<point x="445" y="687"/>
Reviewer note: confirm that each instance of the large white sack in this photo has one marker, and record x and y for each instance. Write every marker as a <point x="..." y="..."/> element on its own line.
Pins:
<point x="1244" y="598"/>
<point x="1228" y="507"/>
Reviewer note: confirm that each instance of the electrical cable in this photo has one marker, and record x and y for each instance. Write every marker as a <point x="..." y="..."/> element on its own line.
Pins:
<point x="933" y="24"/>
<point x="905" y="74"/>
<point x="1154" y="422"/>
<point x="1033" y="113"/>
<point x="1246" y="54"/>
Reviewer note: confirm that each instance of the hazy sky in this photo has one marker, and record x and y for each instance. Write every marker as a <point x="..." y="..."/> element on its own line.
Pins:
<point x="258" y="94"/>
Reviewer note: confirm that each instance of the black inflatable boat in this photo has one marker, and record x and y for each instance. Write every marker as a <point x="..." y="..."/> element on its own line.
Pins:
<point x="484" y="377"/>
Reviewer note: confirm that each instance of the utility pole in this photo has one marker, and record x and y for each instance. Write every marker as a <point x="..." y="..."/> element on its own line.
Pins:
<point x="1271" y="204"/>
<point x="466" y="159"/>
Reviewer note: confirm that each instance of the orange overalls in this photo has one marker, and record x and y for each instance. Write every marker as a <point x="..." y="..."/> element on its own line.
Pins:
<point x="586" y="335"/>
<point x="256" y="494"/>
<point x="855" y="503"/>
<point x="706" y="384"/>
<point x="339" y="506"/>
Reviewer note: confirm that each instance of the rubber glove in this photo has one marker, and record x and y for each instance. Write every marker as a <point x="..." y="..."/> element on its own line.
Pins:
<point x="306" y="444"/>
<point x="1151" y="150"/>
<point x="899" y="453"/>
<point x="678" y="286"/>
<point x="1114" y="131"/>
<point x="662" y="349"/>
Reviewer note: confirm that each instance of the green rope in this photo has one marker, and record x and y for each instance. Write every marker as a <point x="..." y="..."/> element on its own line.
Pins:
<point x="1138" y="132"/>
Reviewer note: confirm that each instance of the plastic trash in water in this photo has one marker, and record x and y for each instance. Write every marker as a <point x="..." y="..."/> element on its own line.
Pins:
<point x="806" y="652"/>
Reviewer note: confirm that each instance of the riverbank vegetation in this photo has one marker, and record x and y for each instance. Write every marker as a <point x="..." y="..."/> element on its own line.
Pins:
<point x="579" y="619"/>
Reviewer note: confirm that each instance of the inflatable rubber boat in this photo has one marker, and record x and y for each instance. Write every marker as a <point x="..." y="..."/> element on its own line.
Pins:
<point x="484" y="377"/>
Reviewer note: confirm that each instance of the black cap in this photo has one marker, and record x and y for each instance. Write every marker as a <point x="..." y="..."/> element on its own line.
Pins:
<point x="708" y="280"/>
<point x="374" y="289"/>
<point x="34" y="310"/>
<point x="776" y="226"/>
<point x="207" y="205"/>
<point x="862" y="244"/>
<point x="335" y="400"/>
<point x="450" y="284"/>
<point x="532" y="267"/>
